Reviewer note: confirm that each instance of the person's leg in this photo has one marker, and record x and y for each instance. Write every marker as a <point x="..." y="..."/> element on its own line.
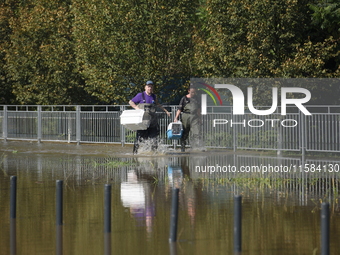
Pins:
<point x="153" y="133"/>
<point x="186" y="130"/>
<point x="136" y="143"/>
<point x="195" y="131"/>
<point x="140" y="135"/>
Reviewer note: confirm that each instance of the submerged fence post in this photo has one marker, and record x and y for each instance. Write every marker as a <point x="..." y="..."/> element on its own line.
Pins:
<point x="13" y="237"/>
<point x="12" y="214"/>
<point x="59" y="217"/>
<point x="107" y="208"/>
<point x="237" y="224"/>
<point x="4" y="124"/>
<point x="13" y="200"/>
<point x="325" y="229"/>
<point x="173" y="248"/>
<point x="107" y="219"/>
<point x="174" y="216"/>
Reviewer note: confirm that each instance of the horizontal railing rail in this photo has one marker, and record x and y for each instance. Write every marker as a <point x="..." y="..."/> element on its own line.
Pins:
<point x="220" y="128"/>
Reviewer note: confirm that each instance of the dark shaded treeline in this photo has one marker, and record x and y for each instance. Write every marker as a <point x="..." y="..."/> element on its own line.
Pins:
<point x="102" y="52"/>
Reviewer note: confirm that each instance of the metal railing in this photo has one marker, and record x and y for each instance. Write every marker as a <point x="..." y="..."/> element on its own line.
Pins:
<point x="101" y="124"/>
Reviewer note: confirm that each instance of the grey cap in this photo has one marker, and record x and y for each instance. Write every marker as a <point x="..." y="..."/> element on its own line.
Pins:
<point x="149" y="83"/>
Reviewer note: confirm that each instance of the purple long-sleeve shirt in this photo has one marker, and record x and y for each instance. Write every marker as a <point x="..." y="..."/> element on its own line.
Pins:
<point x="148" y="99"/>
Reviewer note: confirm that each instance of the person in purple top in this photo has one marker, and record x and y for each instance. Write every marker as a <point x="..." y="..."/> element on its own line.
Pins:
<point x="147" y="101"/>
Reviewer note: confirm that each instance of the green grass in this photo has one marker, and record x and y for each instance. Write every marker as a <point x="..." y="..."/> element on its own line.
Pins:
<point x="113" y="162"/>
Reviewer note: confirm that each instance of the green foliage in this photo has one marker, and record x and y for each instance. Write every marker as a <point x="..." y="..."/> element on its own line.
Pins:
<point x="100" y="51"/>
<point x="262" y="39"/>
<point x="113" y="162"/>
<point x="6" y="96"/>
<point x="326" y="15"/>
<point x="41" y="61"/>
<point x="121" y="45"/>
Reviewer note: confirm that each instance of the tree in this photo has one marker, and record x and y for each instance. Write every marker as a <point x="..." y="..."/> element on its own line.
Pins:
<point x="99" y="51"/>
<point x="6" y="12"/>
<point x="326" y="15"/>
<point x="41" y="61"/>
<point x="262" y="39"/>
<point x="122" y="44"/>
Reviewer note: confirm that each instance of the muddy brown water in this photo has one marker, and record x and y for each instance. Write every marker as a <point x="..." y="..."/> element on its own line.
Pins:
<point x="280" y="211"/>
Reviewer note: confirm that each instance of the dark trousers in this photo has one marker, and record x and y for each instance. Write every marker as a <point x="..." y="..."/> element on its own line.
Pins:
<point x="190" y="123"/>
<point x="141" y="135"/>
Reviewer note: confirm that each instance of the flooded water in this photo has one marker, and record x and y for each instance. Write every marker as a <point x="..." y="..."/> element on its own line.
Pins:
<point x="280" y="210"/>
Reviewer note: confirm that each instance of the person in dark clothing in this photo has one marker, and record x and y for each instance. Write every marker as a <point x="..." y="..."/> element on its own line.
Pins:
<point x="147" y="101"/>
<point x="191" y="117"/>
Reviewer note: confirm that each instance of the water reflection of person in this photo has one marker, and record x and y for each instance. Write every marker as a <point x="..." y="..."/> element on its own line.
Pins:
<point x="137" y="196"/>
<point x="175" y="176"/>
<point x="189" y="191"/>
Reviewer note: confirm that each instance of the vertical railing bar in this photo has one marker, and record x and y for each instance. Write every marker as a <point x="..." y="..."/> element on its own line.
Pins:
<point x="78" y="128"/>
<point x="39" y="124"/>
<point x="5" y="124"/>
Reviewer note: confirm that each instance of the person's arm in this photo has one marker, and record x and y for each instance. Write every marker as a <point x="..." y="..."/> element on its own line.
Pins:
<point x="160" y="106"/>
<point x="177" y="115"/>
<point x="180" y="108"/>
<point x="133" y="105"/>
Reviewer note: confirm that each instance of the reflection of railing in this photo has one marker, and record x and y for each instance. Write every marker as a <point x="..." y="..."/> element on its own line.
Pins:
<point x="220" y="128"/>
<point x="307" y="182"/>
<point x="308" y="178"/>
